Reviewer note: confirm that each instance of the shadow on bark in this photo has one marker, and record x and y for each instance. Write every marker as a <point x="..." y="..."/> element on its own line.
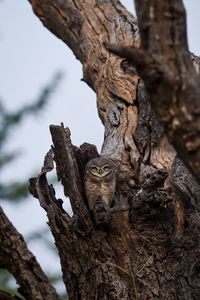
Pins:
<point x="150" y="248"/>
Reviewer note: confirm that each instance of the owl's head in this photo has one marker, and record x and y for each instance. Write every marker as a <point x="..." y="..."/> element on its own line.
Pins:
<point x="100" y="167"/>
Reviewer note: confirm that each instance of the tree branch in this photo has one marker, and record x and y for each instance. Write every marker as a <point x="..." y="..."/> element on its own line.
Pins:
<point x="22" y="264"/>
<point x="143" y="241"/>
<point x="77" y="237"/>
<point x="166" y="66"/>
<point x="83" y="26"/>
<point x="68" y="172"/>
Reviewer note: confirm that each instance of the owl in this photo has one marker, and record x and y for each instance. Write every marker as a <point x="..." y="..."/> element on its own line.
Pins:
<point x="100" y="181"/>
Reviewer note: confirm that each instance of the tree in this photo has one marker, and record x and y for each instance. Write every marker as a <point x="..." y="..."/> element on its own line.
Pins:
<point x="17" y="190"/>
<point x="150" y="247"/>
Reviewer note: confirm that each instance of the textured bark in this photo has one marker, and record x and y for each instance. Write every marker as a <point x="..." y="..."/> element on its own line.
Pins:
<point x="171" y="78"/>
<point x="150" y="249"/>
<point x="87" y="258"/>
<point x="84" y="25"/>
<point x="22" y="264"/>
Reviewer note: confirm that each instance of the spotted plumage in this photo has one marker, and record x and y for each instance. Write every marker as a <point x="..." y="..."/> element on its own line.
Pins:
<point x="100" y="181"/>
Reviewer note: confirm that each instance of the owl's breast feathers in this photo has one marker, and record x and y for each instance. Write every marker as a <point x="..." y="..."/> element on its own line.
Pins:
<point x="100" y="182"/>
<point x="96" y="189"/>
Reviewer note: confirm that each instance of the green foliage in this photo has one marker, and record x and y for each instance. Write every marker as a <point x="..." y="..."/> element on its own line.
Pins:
<point x="14" y="190"/>
<point x="18" y="190"/>
<point x="6" y="284"/>
<point x="8" y="120"/>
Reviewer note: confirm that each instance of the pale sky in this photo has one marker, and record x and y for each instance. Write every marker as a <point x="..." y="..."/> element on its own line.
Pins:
<point x="30" y="56"/>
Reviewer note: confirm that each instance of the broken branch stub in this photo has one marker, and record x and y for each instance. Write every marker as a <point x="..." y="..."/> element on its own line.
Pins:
<point x="83" y="248"/>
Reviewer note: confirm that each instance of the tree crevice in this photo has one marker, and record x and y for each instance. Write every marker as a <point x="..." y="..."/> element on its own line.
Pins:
<point x="146" y="244"/>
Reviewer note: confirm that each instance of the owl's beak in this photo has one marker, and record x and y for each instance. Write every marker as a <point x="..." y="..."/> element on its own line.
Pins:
<point x="100" y="171"/>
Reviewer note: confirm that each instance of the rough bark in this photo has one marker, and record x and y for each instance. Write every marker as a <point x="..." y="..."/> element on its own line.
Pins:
<point x="22" y="264"/>
<point x="150" y="249"/>
<point x="84" y="25"/>
<point x="170" y="76"/>
<point x="87" y="258"/>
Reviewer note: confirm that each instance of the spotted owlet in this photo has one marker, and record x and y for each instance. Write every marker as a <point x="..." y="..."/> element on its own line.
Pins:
<point x="100" y="181"/>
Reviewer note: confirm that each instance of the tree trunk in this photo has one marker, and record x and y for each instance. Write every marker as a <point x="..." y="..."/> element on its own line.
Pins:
<point x="170" y="73"/>
<point x="150" y="248"/>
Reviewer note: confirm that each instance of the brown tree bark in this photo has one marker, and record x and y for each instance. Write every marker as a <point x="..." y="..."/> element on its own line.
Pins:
<point x="150" y="249"/>
<point x="170" y="73"/>
<point x="22" y="264"/>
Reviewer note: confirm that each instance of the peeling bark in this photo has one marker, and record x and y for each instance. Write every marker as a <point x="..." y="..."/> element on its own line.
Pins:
<point x="150" y="249"/>
<point x="157" y="198"/>
<point x="170" y="73"/>
<point x="83" y="26"/>
<point x="77" y="237"/>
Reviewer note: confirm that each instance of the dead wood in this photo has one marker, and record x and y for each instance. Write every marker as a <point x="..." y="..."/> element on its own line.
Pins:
<point x="170" y="73"/>
<point x="150" y="249"/>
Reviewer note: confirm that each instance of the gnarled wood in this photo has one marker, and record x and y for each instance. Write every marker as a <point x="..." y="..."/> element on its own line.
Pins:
<point x="92" y="249"/>
<point x="22" y="264"/>
<point x="150" y="249"/>
<point x="151" y="227"/>
<point x="170" y="73"/>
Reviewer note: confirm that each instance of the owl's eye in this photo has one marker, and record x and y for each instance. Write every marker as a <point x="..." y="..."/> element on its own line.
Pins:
<point x="106" y="168"/>
<point x="94" y="169"/>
